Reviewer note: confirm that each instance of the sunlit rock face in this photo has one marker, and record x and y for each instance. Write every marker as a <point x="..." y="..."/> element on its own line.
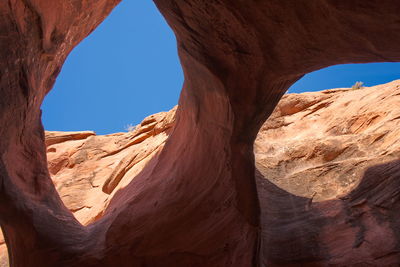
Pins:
<point x="315" y="159"/>
<point x="88" y="169"/>
<point x="195" y="202"/>
<point x="317" y="145"/>
<point x="3" y="252"/>
<point x="328" y="173"/>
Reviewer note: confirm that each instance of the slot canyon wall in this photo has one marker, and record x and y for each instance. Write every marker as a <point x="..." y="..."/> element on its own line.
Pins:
<point x="195" y="201"/>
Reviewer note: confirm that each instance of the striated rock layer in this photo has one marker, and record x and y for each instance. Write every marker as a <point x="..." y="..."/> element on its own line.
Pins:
<point x="328" y="172"/>
<point x="316" y="159"/>
<point x="195" y="203"/>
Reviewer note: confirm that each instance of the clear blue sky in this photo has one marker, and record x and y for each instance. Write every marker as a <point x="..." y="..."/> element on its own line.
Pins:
<point x="128" y="69"/>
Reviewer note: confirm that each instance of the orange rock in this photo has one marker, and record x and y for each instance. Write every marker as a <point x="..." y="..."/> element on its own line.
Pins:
<point x="3" y="251"/>
<point x="87" y="171"/>
<point x="328" y="139"/>
<point x="194" y="203"/>
<point x="327" y="169"/>
<point x="315" y="146"/>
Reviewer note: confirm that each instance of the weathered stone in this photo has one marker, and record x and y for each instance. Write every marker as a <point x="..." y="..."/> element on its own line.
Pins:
<point x="195" y="203"/>
<point x="328" y="178"/>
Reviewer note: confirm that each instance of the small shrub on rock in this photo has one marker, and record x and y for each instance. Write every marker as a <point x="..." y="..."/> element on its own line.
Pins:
<point x="357" y="85"/>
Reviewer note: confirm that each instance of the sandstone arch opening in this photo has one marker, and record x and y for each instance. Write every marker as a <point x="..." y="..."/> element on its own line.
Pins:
<point x="124" y="71"/>
<point x="322" y="126"/>
<point x="89" y="167"/>
<point x="319" y="156"/>
<point x="239" y="59"/>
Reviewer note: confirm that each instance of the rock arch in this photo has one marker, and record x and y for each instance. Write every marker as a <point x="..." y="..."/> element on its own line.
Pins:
<point x="196" y="204"/>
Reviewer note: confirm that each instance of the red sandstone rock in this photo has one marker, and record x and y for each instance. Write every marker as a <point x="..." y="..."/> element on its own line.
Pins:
<point x="301" y="155"/>
<point x="3" y="252"/>
<point x="195" y="202"/>
<point x="328" y="178"/>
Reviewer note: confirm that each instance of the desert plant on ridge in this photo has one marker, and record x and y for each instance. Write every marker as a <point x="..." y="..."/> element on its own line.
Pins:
<point x="357" y="85"/>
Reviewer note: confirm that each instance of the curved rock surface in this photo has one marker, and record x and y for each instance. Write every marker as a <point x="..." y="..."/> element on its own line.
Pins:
<point x="328" y="171"/>
<point x="88" y="169"/>
<point x="195" y="203"/>
<point x="314" y="153"/>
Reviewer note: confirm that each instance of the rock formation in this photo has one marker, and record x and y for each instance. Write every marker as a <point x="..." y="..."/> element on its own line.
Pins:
<point x="195" y="202"/>
<point x="328" y="169"/>
<point x="314" y="156"/>
<point x="3" y="252"/>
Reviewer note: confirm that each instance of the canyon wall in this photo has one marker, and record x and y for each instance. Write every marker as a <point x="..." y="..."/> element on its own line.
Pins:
<point x="195" y="202"/>
<point x="316" y="159"/>
<point x="328" y="173"/>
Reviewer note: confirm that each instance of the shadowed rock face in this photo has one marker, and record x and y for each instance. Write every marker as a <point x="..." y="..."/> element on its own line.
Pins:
<point x="194" y="203"/>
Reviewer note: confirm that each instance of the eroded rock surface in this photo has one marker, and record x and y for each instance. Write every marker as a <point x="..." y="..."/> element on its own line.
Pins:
<point x="195" y="202"/>
<point x="328" y="170"/>
<point x="317" y="145"/>
<point x="88" y="171"/>
<point x="3" y="251"/>
<point x="316" y="151"/>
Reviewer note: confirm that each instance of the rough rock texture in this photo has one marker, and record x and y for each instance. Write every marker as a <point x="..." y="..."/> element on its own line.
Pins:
<point x="313" y="151"/>
<point x="328" y="169"/>
<point x="317" y="144"/>
<point x="195" y="203"/>
<point x="87" y="170"/>
<point x="3" y="252"/>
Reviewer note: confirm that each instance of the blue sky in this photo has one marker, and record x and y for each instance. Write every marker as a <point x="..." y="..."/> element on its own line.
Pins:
<point x="346" y="75"/>
<point x="128" y="68"/>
